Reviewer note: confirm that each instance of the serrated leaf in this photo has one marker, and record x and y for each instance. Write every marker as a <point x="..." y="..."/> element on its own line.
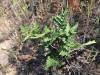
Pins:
<point x="46" y="39"/>
<point x="63" y="39"/>
<point x="33" y="32"/>
<point x="72" y="30"/>
<point x="24" y="29"/>
<point x="67" y="29"/>
<point x="64" y="53"/>
<point x="35" y="28"/>
<point x="61" y="32"/>
<point x="51" y="62"/>
<point x="71" y="40"/>
<point x="64" y="14"/>
<point x="57" y="21"/>
<point x="66" y="48"/>
<point x="45" y="31"/>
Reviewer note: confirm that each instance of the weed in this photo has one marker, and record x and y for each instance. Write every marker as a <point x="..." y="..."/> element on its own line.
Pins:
<point x="59" y="41"/>
<point x="20" y="8"/>
<point x="89" y="9"/>
<point x="29" y="32"/>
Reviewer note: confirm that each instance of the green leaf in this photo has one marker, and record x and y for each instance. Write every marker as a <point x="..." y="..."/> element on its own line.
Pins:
<point x="46" y="39"/>
<point x="71" y="39"/>
<point x="64" y="53"/>
<point x="24" y="29"/>
<point x="61" y="32"/>
<point x="72" y="30"/>
<point x="63" y="16"/>
<point x="33" y="32"/>
<point x="50" y="38"/>
<point x="51" y="62"/>
<point x="45" y="31"/>
<point x="67" y="29"/>
<point x="59" y="20"/>
<point x="66" y="48"/>
<point x="81" y="45"/>
<point x="24" y="39"/>
<point x="35" y="28"/>
<point x="89" y="43"/>
<point x="63" y="39"/>
<point x="25" y="32"/>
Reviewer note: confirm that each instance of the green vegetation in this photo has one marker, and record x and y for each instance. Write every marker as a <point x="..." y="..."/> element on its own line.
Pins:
<point x="33" y="32"/>
<point x="59" y="41"/>
<point x="89" y="11"/>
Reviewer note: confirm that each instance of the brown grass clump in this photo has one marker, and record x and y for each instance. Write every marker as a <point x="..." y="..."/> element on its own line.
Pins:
<point x="73" y="6"/>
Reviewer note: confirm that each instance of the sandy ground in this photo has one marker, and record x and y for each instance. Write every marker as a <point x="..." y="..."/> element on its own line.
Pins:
<point x="7" y="42"/>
